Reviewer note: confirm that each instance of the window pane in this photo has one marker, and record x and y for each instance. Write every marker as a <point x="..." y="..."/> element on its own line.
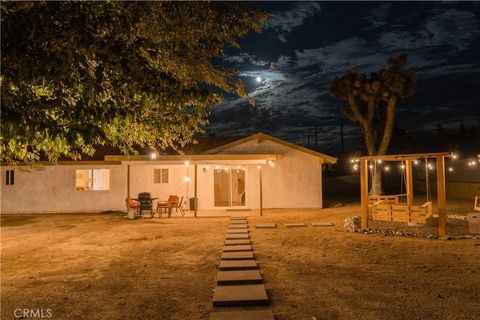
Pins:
<point x="7" y="177"/>
<point x="238" y="188"/>
<point x="164" y="175"/>
<point x="95" y="179"/>
<point x="222" y="188"/>
<point x="156" y="176"/>
<point x="12" y="177"/>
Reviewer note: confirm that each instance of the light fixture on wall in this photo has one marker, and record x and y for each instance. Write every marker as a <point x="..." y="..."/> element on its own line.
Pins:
<point x="186" y="179"/>
<point x="153" y="155"/>
<point x="187" y="162"/>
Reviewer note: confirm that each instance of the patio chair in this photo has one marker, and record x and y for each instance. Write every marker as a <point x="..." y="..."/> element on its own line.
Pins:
<point x="132" y="204"/>
<point x="179" y="206"/>
<point x="173" y="202"/>
<point x="145" y="203"/>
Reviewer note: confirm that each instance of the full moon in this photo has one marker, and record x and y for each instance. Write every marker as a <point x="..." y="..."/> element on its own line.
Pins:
<point x="259" y="79"/>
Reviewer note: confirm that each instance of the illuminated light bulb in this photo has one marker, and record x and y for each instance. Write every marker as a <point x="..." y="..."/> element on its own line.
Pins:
<point x="186" y="179"/>
<point x="243" y="168"/>
<point x="379" y="161"/>
<point x="450" y="169"/>
<point x="371" y="166"/>
<point x="355" y="167"/>
<point x="387" y="168"/>
<point x="258" y="166"/>
<point x="454" y="156"/>
<point x="187" y="163"/>
<point x="217" y="167"/>
<point x="226" y="168"/>
<point x="415" y="162"/>
<point x="352" y="161"/>
<point x="402" y="166"/>
<point x="238" y="167"/>
<point x="207" y="167"/>
<point x="153" y="155"/>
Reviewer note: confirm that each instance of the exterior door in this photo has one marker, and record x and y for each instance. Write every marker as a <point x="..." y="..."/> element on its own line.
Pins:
<point x="229" y="188"/>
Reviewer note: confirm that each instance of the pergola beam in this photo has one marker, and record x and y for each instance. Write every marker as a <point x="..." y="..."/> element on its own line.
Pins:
<point x="402" y="157"/>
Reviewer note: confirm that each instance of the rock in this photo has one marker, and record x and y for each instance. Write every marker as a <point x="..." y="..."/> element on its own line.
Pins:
<point x="335" y="205"/>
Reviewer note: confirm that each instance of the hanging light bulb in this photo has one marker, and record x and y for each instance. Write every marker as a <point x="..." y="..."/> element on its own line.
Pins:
<point x="217" y="167"/>
<point x="153" y="155"/>
<point x="450" y="169"/>
<point x="187" y="163"/>
<point x="454" y="156"/>
<point x="258" y="166"/>
<point x="272" y="164"/>
<point x="371" y="166"/>
<point x="387" y="168"/>
<point x="355" y="167"/>
<point x="379" y="161"/>
<point x="402" y="166"/>
<point x="415" y="162"/>
<point x="207" y="166"/>
<point x="243" y="168"/>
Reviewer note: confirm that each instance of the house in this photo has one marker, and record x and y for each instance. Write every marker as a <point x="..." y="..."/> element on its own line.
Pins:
<point x="253" y="173"/>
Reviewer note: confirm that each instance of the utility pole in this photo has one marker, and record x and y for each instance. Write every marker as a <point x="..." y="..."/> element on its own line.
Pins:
<point x="308" y="138"/>
<point x="316" y="140"/>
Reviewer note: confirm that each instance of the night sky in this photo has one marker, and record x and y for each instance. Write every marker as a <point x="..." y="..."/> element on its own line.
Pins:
<point x="307" y="44"/>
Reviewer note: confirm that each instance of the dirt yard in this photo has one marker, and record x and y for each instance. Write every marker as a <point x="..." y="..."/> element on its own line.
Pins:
<point x="93" y="266"/>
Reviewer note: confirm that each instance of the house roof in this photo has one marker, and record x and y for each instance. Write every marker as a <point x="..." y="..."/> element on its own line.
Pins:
<point x="263" y="136"/>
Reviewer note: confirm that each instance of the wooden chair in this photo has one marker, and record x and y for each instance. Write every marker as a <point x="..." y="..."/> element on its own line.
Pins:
<point x="145" y="203"/>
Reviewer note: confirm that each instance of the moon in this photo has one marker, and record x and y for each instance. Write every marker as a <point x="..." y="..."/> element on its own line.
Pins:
<point x="259" y="79"/>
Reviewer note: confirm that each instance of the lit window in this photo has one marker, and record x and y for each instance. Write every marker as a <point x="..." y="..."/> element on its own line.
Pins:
<point x="160" y="175"/>
<point x="10" y="177"/>
<point x="93" y="179"/>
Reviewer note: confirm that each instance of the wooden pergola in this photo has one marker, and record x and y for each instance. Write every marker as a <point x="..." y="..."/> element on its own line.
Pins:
<point x="408" y="158"/>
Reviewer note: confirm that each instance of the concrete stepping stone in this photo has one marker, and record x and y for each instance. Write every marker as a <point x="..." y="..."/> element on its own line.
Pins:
<point x="237" y="255"/>
<point x="265" y="225"/>
<point x="236" y="242"/>
<point x="238" y="218"/>
<point x="242" y="315"/>
<point x="295" y="225"/>
<point x="322" y="224"/>
<point x="237" y="236"/>
<point x="241" y="219"/>
<point x="245" y="247"/>
<point x="237" y="226"/>
<point x="238" y="265"/>
<point x="239" y="277"/>
<point x="237" y="231"/>
<point x="252" y="294"/>
<point x="238" y="222"/>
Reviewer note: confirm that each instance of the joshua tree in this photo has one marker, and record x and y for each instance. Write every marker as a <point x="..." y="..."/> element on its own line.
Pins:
<point x="371" y="102"/>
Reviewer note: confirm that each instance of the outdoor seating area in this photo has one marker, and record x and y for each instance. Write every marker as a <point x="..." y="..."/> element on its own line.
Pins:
<point x="144" y="205"/>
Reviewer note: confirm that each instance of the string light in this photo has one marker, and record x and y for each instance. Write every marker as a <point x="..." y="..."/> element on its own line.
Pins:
<point x="207" y="166"/>
<point x="402" y="166"/>
<point x="187" y="163"/>
<point x="450" y="169"/>
<point x="186" y="179"/>
<point x="387" y="168"/>
<point x="355" y="167"/>
<point x="371" y="166"/>
<point x="258" y="166"/>
<point x="153" y="155"/>
<point x="454" y="157"/>
<point x="272" y="164"/>
<point x="415" y="162"/>
<point x="217" y="167"/>
<point x="379" y="161"/>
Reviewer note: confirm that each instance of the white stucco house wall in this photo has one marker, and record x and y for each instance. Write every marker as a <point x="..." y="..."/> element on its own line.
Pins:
<point x="249" y="174"/>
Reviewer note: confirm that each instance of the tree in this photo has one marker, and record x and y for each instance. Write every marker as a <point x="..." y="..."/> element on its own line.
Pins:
<point x="128" y="74"/>
<point x="371" y="102"/>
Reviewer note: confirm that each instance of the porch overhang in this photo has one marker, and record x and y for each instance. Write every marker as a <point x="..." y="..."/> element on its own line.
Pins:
<point x="253" y="158"/>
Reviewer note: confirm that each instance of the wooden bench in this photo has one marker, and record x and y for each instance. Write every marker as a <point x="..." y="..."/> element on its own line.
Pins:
<point x="388" y="199"/>
<point x="402" y="212"/>
<point x="476" y="205"/>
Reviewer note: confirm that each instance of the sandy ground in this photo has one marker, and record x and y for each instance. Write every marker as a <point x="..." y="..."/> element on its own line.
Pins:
<point x="92" y="266"/>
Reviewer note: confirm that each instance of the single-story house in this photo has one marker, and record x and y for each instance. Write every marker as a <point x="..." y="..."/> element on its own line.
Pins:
<point x="252" y="173"/>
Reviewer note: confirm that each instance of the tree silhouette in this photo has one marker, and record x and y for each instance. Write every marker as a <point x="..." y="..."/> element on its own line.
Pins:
<point x="371" y="102"/>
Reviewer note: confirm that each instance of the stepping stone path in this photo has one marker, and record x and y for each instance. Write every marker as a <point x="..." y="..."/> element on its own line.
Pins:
<point x="236" y="242"/>
<point x="289" y="225"/>
<point x="322" y="224"/>
<point x="245" y="247"/>
<point x="237" y="236"/>
<point x="265" y="225"/>
<point x="239" y="283"/>
<point x="242" y="315"/>
<point x="237" y="231"/>
<point x="237" y="226"/>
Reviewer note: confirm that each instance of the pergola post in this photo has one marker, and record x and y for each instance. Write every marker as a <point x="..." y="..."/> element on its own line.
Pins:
<point x="195" y="193"/>
<point x="441" y="196"/>
<point x="409" y="181"/>
<point x="364" y="193"/>
<point x="261" y="189"/>
<point x="128" y="189"/>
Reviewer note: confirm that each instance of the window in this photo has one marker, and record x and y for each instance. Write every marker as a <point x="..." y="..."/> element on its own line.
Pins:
<point x="93" y="179"/>
<point x="10" y="177"/>
<point x="160" y="175"/>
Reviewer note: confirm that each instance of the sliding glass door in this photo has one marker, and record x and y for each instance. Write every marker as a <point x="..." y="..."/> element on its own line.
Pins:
<point x="229" y="188"/>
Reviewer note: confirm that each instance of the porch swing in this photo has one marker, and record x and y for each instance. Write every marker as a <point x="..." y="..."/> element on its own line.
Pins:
<point x="391" y="208"/>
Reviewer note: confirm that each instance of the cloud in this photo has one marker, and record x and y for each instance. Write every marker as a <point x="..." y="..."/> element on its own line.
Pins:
<point x="244" y="57"/>
<point x="283" y="22"/>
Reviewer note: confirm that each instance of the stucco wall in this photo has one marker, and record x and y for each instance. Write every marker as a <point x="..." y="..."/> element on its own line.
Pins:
<point x="294" y="182"/>
<point x="52" y="189"/>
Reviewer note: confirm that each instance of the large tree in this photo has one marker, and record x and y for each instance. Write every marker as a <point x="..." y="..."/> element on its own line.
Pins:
<point x="129" y="74"/>
<point x="371" y="101"/>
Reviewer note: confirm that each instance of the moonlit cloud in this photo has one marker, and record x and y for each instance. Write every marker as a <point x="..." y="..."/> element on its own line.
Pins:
<point x="442" y="43"/>
<point x="283" y="22"/>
